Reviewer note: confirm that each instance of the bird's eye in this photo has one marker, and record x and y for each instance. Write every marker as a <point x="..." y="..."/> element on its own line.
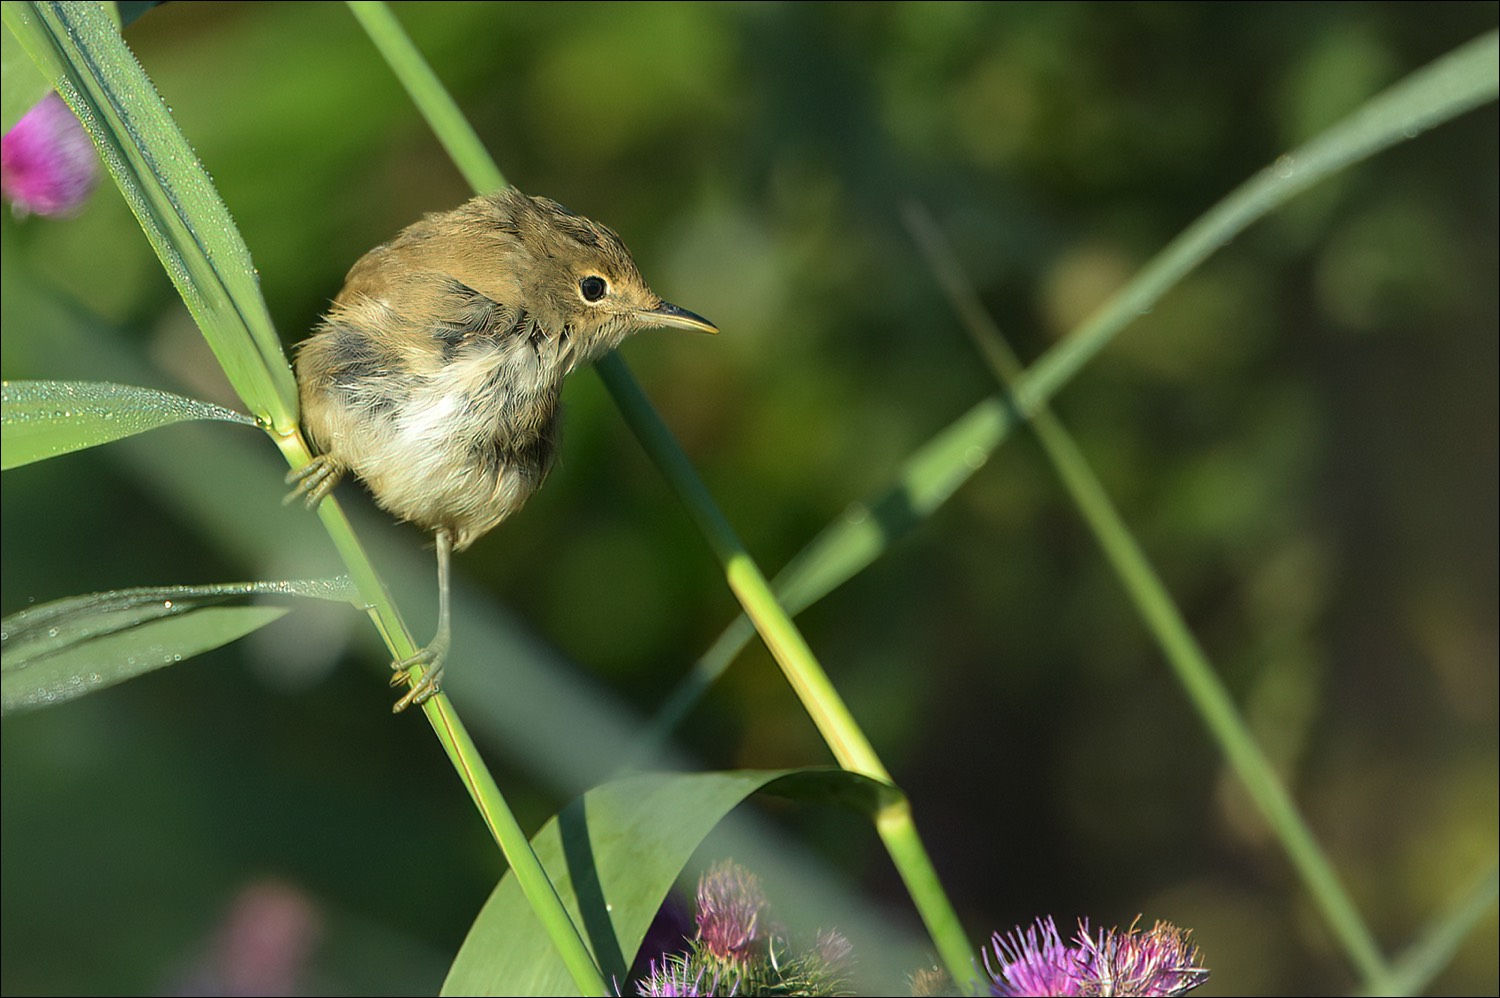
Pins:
<point x="593" y="287"/>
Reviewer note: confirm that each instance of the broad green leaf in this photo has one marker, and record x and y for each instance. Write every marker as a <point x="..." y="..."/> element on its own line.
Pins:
<point x="613" y="854"/>
<point x="42" y="419"/>
<point x="79" y="49"/>
<point x="51" y="653"/>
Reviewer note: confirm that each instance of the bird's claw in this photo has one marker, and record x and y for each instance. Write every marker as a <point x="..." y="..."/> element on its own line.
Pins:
<point x="311" y="482"/>
<point x="427" y="686"/>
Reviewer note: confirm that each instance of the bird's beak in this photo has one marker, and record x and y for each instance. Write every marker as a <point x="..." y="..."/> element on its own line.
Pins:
<point x="667" y="314"/>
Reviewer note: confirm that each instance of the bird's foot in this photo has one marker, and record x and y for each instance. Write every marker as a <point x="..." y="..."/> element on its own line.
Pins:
<point x="428" y="685"/>
<point x="311" y="482"/>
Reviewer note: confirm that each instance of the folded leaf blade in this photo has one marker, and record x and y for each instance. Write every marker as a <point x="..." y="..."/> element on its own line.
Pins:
<point x="613" y="854"/>
<point x="42" y="419"/>
<point x="58" y="651"/>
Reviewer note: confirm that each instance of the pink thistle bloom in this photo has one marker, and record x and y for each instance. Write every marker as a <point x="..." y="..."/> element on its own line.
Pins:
<point x="1162" y="962"/>
<point x="1036" y="963"/>
<point x="730" y="902"/>
<point x="677" y="977"/>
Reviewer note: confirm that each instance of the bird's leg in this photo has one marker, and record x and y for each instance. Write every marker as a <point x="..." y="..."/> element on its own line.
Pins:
<point x="312" y="481"/>
<point x="430" y="658"/>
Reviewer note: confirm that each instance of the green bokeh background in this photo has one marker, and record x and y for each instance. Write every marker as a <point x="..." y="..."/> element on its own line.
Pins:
<point x="1303" y="434"/>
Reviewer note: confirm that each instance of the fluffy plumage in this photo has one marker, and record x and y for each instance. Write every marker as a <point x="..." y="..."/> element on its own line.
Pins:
<point x="435" y="376"/>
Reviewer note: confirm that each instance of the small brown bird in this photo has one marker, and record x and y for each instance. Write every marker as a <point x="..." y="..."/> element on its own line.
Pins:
<point x="435" y="376"/>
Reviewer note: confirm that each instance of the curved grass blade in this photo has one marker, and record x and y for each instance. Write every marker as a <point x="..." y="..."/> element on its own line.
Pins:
<point x="42" y="419"/>
<point x="79" y="47"/>
<point x="1448" y="86"/>
<point x="614" y="853"/>
<point x="52" y="653"/>
<point x="1454" y="83"/>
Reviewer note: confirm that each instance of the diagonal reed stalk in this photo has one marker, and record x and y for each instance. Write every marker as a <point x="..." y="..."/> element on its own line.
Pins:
<point x="1160" y="613"/>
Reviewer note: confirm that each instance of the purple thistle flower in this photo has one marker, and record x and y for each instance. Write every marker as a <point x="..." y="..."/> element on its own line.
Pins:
<point x="679" y="977"/>
<point x="1163" y="961"/>
<point x="47" y="164"/>
<point x="1034" y="964"/>
<point x="729" y="906"/>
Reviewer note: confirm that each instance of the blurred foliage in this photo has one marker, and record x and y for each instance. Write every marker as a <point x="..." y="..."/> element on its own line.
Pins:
<point x="1304" y="436"/>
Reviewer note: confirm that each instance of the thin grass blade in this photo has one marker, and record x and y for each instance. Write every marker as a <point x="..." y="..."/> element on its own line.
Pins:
<point x="42" y="419"/>
<point x="1455" y="83"/>
<point x="58" y="651"/>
